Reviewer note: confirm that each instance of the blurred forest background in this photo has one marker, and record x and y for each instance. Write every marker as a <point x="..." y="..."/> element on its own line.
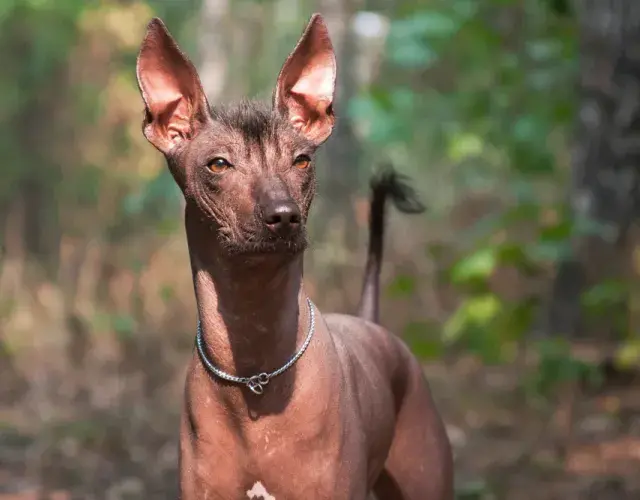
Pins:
<point x="519" y="122"/>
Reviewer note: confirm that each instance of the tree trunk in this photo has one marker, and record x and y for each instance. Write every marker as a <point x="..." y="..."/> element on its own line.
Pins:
<point x="339" y="169"/>
<point x="605" y="160"/>
<point x="214" y="33"/>
<point x="213" y="50"/>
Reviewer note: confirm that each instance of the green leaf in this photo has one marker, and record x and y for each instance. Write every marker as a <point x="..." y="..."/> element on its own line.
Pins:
<point x="464" y="146"/>
<point x="473" y="490"/>
<point x="481" y="310"/>
<point x="410" y="39"/>
<point x="511" y="254"/>
<point x="529" y="129"/>
<point x="518" y="320"/>
<point x="561" y="231"/>
<point x="557" y="366"/>
<point x="378" y="116"/>
<point x="605" y="294"/>
<point x="628" y="355"/>
<point x="479" y="265"/>
<point x="402" y="286"/>
<point x="455" y="326"/>
<point x="421" y="338"/>
<point x="474" y="314"/>
<point x="517" y="256"/>
<point x="529" y="159"/>
<point x="413" y="54"/>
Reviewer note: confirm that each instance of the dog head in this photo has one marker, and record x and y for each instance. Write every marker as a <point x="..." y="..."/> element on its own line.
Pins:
<point x="248" y="169"/>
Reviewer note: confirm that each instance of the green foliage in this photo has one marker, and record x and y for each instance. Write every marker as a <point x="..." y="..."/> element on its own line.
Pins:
<point x="35" y="38"/>
<point x="475" y="267"/>
<point x="123" y="326"/>
<point x="424" y="339"/>
<point x="473" y="97"/>
<point x="497" y="114"/>
<point x="414" y="39"/>
<point x="158" y="201"/>
<point x="604" y="295"/>
<point x="474" y="490"/>
<point x="629" y="354"/>
<point x="557" y="366"/>
<point x="402" y="286"/>
<point x="475" y="315"/>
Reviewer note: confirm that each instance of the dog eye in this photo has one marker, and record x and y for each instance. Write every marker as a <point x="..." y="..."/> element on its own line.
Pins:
<point x="302" y="162"/>
<point x="218" y="165"/>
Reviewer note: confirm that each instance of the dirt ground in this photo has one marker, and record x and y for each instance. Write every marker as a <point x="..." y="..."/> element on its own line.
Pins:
<point x="60" y="442"/>
<point x="508" y="449"/>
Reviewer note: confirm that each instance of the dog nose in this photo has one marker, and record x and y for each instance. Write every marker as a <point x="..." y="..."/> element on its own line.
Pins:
<point x="282" y="217"/>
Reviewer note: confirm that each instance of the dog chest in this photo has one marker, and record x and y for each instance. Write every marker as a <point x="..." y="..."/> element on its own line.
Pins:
<point x="294" y="462"/>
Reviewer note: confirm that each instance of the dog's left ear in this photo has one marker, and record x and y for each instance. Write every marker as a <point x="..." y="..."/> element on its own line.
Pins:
<point x="176" y="105"/>
<point x="306" y="85"/>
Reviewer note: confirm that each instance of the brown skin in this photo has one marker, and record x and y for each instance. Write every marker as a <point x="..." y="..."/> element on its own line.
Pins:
<point x="354" y="414"/>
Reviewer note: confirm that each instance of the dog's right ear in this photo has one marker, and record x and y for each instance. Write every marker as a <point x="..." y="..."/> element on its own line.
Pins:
<point x="307" y="81"/>
<point x="176" y="105"/>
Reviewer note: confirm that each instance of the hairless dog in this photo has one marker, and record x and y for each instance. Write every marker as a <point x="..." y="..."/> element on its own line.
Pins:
<point x="280" y="401"/>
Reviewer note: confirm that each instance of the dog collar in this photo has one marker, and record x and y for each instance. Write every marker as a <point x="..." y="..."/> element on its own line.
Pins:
<point x="256" y="383"/>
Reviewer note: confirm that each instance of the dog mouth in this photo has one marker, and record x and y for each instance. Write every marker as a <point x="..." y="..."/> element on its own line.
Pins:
<point x="255" y="242"/>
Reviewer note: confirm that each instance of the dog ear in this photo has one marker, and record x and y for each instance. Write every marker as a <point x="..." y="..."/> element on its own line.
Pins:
<point x="176" y="105"/>
<point x="306" y="84"/>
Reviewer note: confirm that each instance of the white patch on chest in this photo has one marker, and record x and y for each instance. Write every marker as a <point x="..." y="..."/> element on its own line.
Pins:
<point x="259" y="492"/>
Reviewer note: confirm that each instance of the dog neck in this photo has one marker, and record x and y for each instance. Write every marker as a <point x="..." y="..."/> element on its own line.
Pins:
<point x="252" y="308"/>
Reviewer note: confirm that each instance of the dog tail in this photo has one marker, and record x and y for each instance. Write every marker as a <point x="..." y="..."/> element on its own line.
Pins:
<point x="387" y="183"/>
